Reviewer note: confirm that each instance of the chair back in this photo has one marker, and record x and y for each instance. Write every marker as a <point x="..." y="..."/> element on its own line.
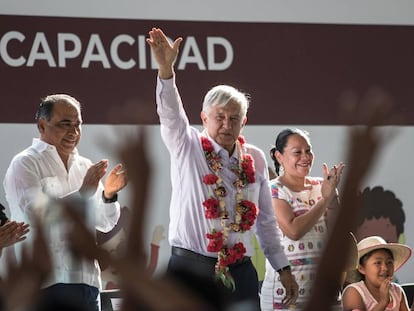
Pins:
<point x="409" y="292"/>
<point x="110" y="300"/>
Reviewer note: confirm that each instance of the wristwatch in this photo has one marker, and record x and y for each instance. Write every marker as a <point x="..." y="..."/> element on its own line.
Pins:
<point x="283" y="269"/>
<point x="110" y="200"/>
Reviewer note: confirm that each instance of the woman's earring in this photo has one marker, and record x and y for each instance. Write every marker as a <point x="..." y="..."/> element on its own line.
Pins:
<point x="281" y="171"/>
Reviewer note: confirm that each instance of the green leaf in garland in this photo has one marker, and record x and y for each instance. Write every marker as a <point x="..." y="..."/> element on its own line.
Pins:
<point x="227" y="280"/>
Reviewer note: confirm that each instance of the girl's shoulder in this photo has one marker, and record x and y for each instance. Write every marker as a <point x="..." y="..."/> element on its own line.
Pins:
<point x="396" y="287"/>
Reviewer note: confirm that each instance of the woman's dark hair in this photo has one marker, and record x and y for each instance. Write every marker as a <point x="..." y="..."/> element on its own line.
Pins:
<point x="281" y="141"/>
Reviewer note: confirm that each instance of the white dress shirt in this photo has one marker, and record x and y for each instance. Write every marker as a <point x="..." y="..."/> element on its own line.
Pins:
<point x="37" y="174"/>
<point x="188" y="224"/>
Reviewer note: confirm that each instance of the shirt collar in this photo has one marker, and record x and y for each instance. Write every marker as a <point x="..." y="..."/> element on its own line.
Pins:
<point x="41" y="146"/>
<point x="219" y="149"/>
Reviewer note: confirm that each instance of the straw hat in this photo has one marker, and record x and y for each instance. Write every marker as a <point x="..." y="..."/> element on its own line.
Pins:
<point x="400" y="252"/>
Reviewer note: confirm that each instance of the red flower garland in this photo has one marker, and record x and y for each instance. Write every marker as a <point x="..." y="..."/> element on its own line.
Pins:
<point x="246" y="211"/>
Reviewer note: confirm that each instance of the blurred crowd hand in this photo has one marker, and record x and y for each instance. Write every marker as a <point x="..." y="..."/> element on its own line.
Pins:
<point x="138" y="287"/>
<point x="134" y="155"/>
<point x="12" y="232"/>
<point x="375" y="107"/>
<point x="158" y="235"/>
<point x="20" y="288"/>
<point x="365" y="115"/>
<point x="82" y="241"/>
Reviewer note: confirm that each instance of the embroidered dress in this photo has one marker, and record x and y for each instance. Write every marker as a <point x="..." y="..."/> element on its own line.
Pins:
<point x="302" y="254"/>
<point x="370" y="302"/>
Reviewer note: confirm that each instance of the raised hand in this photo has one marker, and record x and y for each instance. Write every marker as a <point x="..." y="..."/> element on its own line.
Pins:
<point x="164" y="52"/>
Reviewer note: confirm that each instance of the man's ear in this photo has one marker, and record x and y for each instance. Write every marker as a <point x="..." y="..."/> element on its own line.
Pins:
<point x="244" y="121"/>
<point x="203" y="117"/>
<point x="41" y="125"/>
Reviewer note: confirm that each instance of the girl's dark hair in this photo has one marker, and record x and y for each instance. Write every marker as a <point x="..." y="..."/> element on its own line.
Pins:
<point x="281" y="141"/>
<point x="364" y="258"/>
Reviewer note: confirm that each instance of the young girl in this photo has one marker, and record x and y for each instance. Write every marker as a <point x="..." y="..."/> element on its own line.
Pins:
<point x="378" y="260"/>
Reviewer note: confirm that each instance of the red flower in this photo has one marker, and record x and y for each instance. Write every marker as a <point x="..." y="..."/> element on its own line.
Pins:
<point x="248" y="205"/>
<point x="211" y="208"/>
<point x="211" y="203"/>
<point x="206" y="144"/>
<point x="216" y="242"/>
<point x="210" y="179"/>
<point x="249" y="215"/>
<point x="241" y="140"/>
<point x="214" y="245"/>
<point x="214" y="234"/>
<point x="248" y="168"/>
<point x="230" y="255"/>
<point x="238" y="250"/>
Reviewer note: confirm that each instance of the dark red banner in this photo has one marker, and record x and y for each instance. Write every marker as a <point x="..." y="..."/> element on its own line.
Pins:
<point x="294" y="73"/>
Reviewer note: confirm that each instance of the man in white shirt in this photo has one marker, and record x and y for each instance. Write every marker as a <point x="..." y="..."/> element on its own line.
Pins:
<point x="51" y="170"/>
<point x="220" y="192"/>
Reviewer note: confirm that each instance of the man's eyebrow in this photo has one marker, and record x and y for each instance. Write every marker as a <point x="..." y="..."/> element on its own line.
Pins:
<point x="69" y="121"/>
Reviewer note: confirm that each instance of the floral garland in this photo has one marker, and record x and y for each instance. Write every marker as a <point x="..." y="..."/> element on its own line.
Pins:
<point x="215" y="208"/>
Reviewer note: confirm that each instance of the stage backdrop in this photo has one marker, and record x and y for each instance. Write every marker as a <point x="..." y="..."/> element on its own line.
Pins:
<point x="293" y="72"/>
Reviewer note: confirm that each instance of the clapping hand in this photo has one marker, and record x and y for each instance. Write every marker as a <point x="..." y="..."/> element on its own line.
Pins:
<point x="116" y="180"/>
<point x="12" y="232"/>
